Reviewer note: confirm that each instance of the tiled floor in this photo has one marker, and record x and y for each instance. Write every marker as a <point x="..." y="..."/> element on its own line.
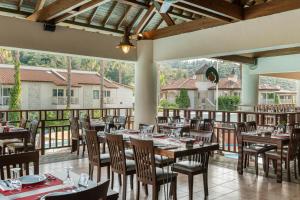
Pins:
<point x="223" y="184"/>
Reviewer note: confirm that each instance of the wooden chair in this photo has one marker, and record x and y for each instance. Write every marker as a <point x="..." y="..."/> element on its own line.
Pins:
<point x="20" y="160"/>
<point x="121" y="120"/>
<point x="288" y="155"/>
<point x="208" y="125"/>
<point x="23" y="123"/>
<point x="196" y="164"/>
<point x="249" y="149"/>
<point x="146" y="170"/>
<point x="147" y="127"/>
<point x="109" y="121"/>
<point x="19" y="146"/>
<point x="251" y="126"/>
<point x="76" y="136"/>
<point x="95" y="158"/>
<point x="119" y="164"/>
<point x="96" y="193"/>
<point x="161" y="120"/>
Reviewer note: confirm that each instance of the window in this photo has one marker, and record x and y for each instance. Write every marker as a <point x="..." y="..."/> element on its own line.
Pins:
<point x="72" y="93"/>
<point x="6" y="92"/>
<point x="107" y="93"/>
<point x="96" y="94"/>
<point x="58" y="92"/>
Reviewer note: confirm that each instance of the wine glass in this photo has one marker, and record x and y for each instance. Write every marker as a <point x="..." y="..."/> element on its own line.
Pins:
<point x="15" y="182"/>
<point x="68" y="182"/>
<point x="83" y="180"/>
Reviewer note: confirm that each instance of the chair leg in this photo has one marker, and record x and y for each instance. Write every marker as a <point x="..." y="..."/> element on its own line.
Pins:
<point x="191" y="181"/>
<point x="175" y="189"/>
<point x="98" y="174"/>
<point x="131" y="182"/>
<point x="103" y="150"/>
<point x="288" y="170"/>
<point x="120" y="179"/>
<point x="78" y="147"/>
<point x="91" y="172"/>
<point x="137" y="190"/>
<point x="205" y="183"/>
<point x="267" y="167"/>
<point x="154" y="193"/>
<point x="295" y="168"/>
<point x="112" y="180"/>
<point x="146" y="189"/>
<point x="124" y="187"/>
<point x="83" y="149"/>
<point x="256" y="165"/>
<point x="108" y="172"/>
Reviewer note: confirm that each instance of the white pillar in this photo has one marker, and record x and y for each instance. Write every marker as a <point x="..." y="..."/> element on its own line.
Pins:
<point x="145" y="84"/>
<point x="298" y="93"/>
<point x="250" y="83"/>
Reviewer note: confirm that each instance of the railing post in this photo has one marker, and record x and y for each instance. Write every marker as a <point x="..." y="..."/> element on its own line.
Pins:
<point x="43" y="137"/>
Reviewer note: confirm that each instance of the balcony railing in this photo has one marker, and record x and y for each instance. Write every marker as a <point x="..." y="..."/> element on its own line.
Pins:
<point x="63" y="101"/>
<point x="224" y="132"/>
<point x="54" y="131"/>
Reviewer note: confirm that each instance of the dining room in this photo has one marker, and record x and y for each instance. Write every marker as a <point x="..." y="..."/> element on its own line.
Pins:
<point x="248" y="151"/>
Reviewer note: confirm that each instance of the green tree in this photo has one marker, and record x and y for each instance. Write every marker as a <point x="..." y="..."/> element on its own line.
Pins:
<point x="276" y="99"/>
<point x="15" y="92"/>
<point x="164" y="103"/>
<point x="228" y="103"/>
<point x="183" y="100"/>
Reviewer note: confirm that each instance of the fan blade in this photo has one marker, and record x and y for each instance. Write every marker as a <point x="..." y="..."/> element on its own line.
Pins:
<point x="165" y="7"/>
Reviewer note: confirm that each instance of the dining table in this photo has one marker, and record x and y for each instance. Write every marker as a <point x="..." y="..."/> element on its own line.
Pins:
<point x="16" y="133"/>
<point x="51" y="185"/>
<point x="278" y="140"/>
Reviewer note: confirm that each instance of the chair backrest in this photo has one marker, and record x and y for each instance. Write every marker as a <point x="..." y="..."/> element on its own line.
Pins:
<point x="96" y="193"/>
<point x="34" y="125"/>
<point x="194" y="124"/>
<point x="117" y="153"/>
<point x="108" y="119"/>
<point x="93" y="146"/>
<point x="208" y="125"/>
<point x="20" y="160"/>
<point x="23" y="123"/>
<point x="176" y="119"/>
<point x="239" y="128"/>
<point x="161" y="120"/>
<point x="294" y="143"/>
<point x="251" y="126"/>
<point x="202" y="158"/>
<point x="74" y="125"/>
<point x="147" y="127"/>
<point x="144" y="160"/>
<point x="205" y="137"/>
<point x="121" y="119"/>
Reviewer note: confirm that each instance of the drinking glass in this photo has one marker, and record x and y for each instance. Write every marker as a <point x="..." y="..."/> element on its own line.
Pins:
<point x="83" y="180"/>
<point x="15" y="182"/>
<point x="68" y="182"/>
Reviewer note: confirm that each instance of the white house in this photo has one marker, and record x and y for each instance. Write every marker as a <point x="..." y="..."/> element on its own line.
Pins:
<point x="45" y="88"/>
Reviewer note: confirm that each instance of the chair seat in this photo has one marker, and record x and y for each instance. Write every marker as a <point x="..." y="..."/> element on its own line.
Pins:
<point x="104" y="158"/>
<point x="19" y="145"/>
<point x="258" y="149"/>
<point x="163" y="161"/>
<point x="164" y="176"/>
<point x="277" y="154"/>
<point x="130" y="165"/>
<point x="187" y="166"/>
<point x="4" y="143"/>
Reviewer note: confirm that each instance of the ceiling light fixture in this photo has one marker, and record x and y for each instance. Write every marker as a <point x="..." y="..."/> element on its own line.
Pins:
<point x="125" y="44"/>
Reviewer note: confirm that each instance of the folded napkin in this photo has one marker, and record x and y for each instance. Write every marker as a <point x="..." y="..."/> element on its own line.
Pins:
<point x="5" y="185"/>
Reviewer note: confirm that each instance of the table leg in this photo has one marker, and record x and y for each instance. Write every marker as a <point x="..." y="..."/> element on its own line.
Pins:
<point x="279" y="166"/>
<point x="241" y="158"/>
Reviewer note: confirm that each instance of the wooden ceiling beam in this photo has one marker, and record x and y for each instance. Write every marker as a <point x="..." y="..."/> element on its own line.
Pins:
<point x="130" y="26"/>
<point x="239" y="59"/>
<point x="20" y="4"/>
<point x="165" y="16"/>
<point x="85" y="7"/>
<point x="218" y="7"/>
<point x="93" y="14"/>
<point x="145" y="20"/>
<point x="191" y="26"/>
<point x="108" y="15"/>
<point x="158" y="24"/>
<point x="39" y="4"/>
<point x="55" y="9"/>
<point x="270" y="7"/>
<point x="124" y="16"/>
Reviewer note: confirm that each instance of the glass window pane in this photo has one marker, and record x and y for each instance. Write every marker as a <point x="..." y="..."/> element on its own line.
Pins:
<point x="54" y="92"/>
<point x="60" y="92"/>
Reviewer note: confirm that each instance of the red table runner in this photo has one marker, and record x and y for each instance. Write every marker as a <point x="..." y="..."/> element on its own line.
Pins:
<point x="51" y="181"/>
<point x="39" y="195"/>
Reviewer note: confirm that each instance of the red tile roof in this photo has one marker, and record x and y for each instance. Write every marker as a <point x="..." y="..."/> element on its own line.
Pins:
<point x="58" y="77"/>
<point x="188" y="84"/>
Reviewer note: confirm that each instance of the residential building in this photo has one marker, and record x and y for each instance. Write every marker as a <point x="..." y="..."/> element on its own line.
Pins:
<point x="45" y="88"/>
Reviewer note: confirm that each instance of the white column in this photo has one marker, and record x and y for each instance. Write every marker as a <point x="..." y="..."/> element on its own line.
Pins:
<point x="249" y="93"/>
<point x="298" y="93"/>
<point x="145" y="84"/>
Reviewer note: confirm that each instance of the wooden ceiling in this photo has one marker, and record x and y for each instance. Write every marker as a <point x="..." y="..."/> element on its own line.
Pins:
<point x="143" y="16"/>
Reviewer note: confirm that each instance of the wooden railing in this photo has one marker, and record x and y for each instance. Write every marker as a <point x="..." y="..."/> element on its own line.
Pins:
<point x="54" y="131"/>
<point x="224" y="132"/>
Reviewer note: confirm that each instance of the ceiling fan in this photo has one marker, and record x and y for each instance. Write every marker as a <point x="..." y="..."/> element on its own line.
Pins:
<point x="166" y="4"/>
